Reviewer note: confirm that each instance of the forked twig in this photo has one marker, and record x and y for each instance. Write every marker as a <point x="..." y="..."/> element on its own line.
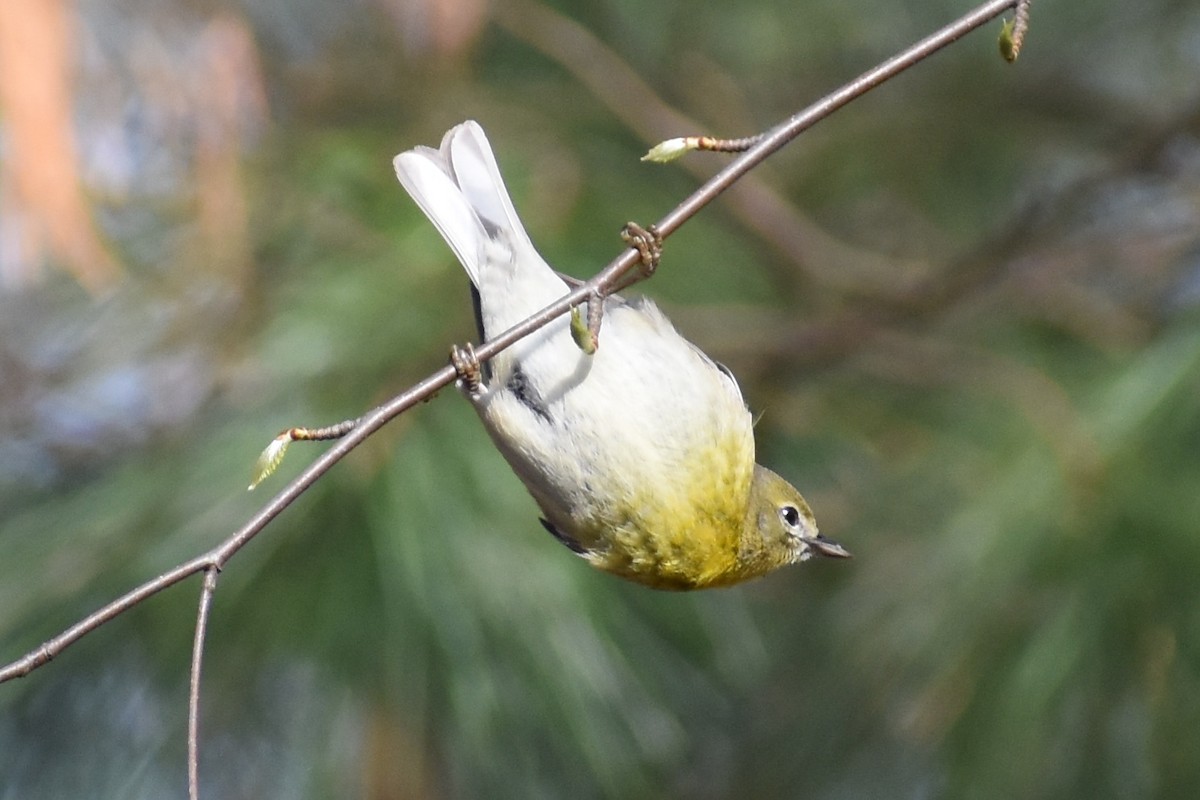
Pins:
<point x="619" y="272"/>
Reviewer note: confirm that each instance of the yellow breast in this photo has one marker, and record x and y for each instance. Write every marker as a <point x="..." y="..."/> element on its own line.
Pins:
<point x="685" y="531"/>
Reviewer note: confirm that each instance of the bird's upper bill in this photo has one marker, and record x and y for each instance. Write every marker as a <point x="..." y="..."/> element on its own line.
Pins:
<point x="820" y="546"/>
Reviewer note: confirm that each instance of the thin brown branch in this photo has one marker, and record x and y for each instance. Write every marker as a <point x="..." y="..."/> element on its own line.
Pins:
<point x="808" y="249"/>
<point x="760" y="208"/>
<point x="602" y="283"/>
<point x="206" y="596"/>
<point x="48" y="650"/>
<point x="783" y="133"/>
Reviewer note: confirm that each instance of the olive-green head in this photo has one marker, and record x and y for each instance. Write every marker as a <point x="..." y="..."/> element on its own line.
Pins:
<point x="780" y="528"/>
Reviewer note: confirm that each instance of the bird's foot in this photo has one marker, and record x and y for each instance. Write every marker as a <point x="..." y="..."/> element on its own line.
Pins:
<point x="466" y="364"/>
<point x="647" y="241"/>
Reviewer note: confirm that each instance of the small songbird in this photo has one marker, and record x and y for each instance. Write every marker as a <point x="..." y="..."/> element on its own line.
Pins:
<point x="641" y="454"/>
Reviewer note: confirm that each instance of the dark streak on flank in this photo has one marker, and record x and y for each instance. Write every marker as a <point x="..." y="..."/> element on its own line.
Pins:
<point x="518" y="384"/>
<point x="562" y="537"/>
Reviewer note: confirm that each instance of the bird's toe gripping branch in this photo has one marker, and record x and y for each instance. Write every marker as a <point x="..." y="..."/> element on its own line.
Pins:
<point x="466" y="364"/>
<point x="647" y="241"/>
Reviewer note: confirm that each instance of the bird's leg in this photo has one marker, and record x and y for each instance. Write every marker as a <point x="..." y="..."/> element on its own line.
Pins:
<point x="587" y="334"/>
<point x="595" y="316"/>
<point x="466" y="364"/>
<point x="648" y="243"/>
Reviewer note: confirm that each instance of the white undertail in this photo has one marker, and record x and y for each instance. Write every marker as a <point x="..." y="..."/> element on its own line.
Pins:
<point x="459" y="188"/>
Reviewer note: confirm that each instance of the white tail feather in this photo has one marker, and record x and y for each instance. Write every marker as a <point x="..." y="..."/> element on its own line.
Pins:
<point x="425" y="174"/>
<point x="459" y="188"/>
<point x="478" y="176"/>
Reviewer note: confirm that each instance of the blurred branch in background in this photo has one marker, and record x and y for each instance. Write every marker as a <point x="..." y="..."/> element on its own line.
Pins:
<point x="43" y="210"/>
<point x="444" y="29"/>
<point x="230" y="98"/>
<point x="163" y="110"/>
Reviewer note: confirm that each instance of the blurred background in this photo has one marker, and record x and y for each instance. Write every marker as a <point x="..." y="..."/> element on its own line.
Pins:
<point x="967" y="309"/>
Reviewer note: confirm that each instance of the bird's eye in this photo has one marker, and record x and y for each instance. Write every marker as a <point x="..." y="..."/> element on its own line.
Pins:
<point x="790" y="515"/>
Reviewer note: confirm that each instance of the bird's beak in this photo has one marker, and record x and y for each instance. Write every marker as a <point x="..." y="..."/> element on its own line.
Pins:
<point x="821" y="546"/>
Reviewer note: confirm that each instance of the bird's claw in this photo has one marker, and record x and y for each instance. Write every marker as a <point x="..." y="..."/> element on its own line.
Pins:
<point x="647" y="241"/>
<point x="466" y="364"/>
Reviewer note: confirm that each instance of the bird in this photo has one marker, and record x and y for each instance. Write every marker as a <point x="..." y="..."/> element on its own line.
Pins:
<point x="641" y="454"/>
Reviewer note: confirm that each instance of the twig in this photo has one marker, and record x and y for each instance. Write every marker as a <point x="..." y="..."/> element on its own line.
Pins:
<point x="362" y="428"/>
<point x="783" y="133"/>
<point x="672" y="149"/>
<point x="602" y="282"/>
<point x="617" y="273"/>
<point x="51" y="648"/>
<point x="193" y="746"/>
<point x="812" y="250"/>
